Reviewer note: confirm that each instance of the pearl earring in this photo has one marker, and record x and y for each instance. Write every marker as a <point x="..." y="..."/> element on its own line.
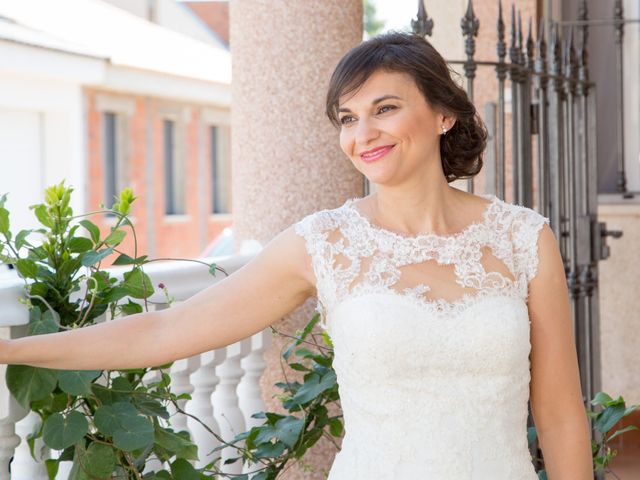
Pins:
<point x="444" y="130"/>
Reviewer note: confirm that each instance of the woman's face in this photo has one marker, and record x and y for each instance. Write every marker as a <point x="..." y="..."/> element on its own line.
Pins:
<point x="388" y="129"/>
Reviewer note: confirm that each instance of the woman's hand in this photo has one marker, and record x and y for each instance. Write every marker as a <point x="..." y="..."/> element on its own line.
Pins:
<point x="260" y="293"/>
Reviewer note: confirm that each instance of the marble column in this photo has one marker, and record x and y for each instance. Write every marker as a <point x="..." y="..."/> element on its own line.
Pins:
<point x="286" y="160"/>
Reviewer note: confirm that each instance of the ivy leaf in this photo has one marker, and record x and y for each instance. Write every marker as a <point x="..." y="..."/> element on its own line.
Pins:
<point x="288" y="430"/>
<point x="77" y="382"/>
<point x="137" y="284"/>
<point x="52" y="464"/>
<point x="28" y="383"/>
<point x="115" y="237"/>
<point x="313" y="386"/>
<point x="21" y="238"/>
<point x="40" y="323"/>
<point x="267" y="450"/>
<point x="106" y="416"/>
<point x="122" y="422"/>
<point x="184" y="470"/>
<point x="131" y="308"/>
<point x="124" y="259"/>
<point x="600" y="399"/>
<point x="609" y="417"/>
<point x="27" y="268"/>
<point x="92" y="257"/>
<point x="42" y="215"/>
<point x="93" y="230"/>
<point x="151" y="408"/>
<point x="99" y="460"/>
<point x="4" y="221"/>
<point x="174" y="443"/>
<point x="80" y="245"/>
<point x="60" y="432"/>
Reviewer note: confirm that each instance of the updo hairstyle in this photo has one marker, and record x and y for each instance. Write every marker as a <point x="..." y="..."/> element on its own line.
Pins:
<point x="462" y="147"/>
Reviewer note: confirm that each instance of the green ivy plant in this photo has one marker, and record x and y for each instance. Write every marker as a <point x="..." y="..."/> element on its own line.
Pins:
<point x="109" y="423"/>
<point x="311" y="405"/>
<point x="609" y="413"/>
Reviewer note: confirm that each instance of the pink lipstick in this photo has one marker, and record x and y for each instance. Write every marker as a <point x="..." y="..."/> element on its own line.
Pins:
<point x="375" y="153"/>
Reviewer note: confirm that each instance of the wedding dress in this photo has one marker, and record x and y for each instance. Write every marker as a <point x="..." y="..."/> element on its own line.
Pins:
<point x="431" y="342"/>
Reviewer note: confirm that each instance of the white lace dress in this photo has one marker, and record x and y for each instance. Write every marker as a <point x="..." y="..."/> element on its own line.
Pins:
<point x="431" y="339"/>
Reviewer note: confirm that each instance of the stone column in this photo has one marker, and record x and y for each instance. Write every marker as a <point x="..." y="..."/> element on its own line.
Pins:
<point x="286" y="160"/>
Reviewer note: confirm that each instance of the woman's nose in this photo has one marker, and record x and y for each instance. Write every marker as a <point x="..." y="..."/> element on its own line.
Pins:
<point x="366" y="130"/>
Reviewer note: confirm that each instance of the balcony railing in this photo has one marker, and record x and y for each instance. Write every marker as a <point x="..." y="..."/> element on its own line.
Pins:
<point x="223" y="384"/>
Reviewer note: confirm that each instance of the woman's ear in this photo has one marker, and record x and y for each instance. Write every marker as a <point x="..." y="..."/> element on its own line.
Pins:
<point x="448" y="121"/>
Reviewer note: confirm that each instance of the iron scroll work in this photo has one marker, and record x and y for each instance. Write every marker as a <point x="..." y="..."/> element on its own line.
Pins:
<point x="546" y="143"/>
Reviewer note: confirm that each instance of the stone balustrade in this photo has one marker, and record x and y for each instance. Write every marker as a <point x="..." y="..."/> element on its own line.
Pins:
<point x="223" y="384"/>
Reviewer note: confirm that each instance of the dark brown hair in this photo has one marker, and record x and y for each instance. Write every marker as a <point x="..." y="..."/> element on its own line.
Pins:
<point x="462" y="147"/>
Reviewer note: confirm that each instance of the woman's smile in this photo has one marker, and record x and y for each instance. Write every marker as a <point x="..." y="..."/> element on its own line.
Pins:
<point x="376" y="153"/>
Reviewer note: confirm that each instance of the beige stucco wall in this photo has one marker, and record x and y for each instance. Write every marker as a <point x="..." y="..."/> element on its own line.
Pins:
<point x="620" y="302"/>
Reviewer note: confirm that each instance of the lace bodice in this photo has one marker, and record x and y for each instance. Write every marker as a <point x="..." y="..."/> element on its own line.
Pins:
<point x="431" y="342"/>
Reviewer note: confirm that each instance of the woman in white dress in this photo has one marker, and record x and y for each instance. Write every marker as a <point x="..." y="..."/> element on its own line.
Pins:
<point x="448" y="310"/>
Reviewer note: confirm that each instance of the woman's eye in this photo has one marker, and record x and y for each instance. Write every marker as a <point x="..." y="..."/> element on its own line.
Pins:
<point x="386" y="108"/>
<point x="346" y="119"/>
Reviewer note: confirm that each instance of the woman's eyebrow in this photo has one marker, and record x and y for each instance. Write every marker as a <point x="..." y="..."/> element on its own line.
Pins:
<point x="376" y="101"/>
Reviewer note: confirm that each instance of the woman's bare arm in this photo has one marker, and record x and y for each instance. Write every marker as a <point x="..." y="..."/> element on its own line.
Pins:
<point x="271" y="285"/>
<point x="556" y="398"/>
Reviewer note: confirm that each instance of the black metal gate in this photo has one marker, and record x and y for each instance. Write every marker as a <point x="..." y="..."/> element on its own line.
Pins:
<point x="548" y="142"/>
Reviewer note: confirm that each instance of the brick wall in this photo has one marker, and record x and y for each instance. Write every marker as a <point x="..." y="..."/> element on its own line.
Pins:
<point x="158" y="235"/>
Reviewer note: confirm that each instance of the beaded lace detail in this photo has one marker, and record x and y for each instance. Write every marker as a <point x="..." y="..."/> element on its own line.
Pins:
<point x="431" y="343"/>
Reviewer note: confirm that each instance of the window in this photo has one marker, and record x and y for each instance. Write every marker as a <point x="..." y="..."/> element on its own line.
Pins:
<point x="220" y="177"/>
<point x="115" y="171"/>
<point x="174" y="179"/>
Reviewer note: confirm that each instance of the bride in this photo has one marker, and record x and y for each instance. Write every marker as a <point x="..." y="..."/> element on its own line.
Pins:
<point x="448" y="311"/>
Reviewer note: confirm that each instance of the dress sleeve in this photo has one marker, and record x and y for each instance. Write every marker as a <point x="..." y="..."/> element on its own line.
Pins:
<point x="313" y="229"/>
<point x="526" y="232"/>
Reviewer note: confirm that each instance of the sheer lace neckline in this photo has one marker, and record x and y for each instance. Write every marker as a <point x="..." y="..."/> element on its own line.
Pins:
<point x="350" y="207"/>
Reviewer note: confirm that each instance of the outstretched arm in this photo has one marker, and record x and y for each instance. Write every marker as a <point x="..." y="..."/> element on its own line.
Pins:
<point x="556" y="398"/>
<point x="271" y="285"/>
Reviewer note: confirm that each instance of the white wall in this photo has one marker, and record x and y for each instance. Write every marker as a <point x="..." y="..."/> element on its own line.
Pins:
<point x="41" y="142"/>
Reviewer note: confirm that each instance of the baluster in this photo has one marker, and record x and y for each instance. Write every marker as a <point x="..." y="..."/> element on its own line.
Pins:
<point x="249" y="391"/>
<point x="180" y="373"/>
<point x="24" y="465"/>
<point x="204" y="381"/>
<point x="226" y="409"/>
<point x="10" y="411"/>
<point x="153" y="464"/>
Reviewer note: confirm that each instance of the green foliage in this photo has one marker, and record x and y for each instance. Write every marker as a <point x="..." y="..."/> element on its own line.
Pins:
<point x="372" y="24"/>
<point x="311" y="405"/>
<point x="105" y="422"/>
<point x="609" y="413"/>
